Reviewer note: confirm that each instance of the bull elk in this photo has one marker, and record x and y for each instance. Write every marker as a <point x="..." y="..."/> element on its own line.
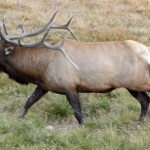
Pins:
<point x="88" y="67"/>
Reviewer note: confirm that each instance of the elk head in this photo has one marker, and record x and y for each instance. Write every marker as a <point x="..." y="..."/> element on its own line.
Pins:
<point x="12" y="41"/>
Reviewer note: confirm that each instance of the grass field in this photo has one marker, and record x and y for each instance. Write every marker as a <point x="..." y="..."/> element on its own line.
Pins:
<point x="110" y="119"/>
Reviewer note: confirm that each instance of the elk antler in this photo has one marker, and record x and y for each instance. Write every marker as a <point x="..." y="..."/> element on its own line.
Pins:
<point x="66" y="27"/>
<point x="16" y="40"/>
<point x="32" y="33"/>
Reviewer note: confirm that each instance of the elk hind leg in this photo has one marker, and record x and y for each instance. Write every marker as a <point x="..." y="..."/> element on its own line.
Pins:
<point x="144" y="101"/>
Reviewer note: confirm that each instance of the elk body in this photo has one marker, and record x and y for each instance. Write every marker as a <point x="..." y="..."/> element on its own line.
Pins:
<point x="90" y="67"/>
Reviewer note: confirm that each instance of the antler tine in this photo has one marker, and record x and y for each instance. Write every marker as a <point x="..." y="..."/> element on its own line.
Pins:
<point x="68" y="58"/>
<point x="70" y="30"/>
<point x="22" y="25"/>
<point x="66" y="27"/>
<point x="7" y="40"/>
<point x="4" y="26"/>
<point x="37" y="32"/>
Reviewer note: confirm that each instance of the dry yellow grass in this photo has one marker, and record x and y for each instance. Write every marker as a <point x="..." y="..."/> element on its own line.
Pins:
<point x="97" y="20"/>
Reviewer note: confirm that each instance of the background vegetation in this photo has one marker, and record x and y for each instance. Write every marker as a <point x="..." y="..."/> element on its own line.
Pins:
<point x="110" y="119"/>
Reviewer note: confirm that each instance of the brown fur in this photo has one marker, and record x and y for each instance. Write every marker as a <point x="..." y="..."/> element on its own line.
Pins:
<point x="102" y="66"/>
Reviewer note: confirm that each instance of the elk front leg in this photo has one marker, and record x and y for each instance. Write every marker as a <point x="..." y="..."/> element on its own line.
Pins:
<point x="36" y="95"/>
<point x="144" y="100"/>
<point x="73" y="99"/>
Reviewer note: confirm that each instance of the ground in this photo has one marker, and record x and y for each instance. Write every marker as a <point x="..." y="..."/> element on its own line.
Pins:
<point x="110" y="119"/>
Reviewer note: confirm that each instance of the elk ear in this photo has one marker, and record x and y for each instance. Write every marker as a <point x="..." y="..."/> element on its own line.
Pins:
<point x="8" y="50"/>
